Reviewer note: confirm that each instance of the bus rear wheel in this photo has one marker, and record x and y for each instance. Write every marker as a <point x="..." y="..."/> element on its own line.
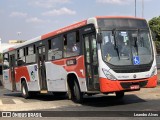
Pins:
<point x="24" y="90"/>
<point x="77" y="95"/>
<point x="120" y="94"/>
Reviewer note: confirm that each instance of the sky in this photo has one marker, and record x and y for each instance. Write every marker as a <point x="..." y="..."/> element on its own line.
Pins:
<point x="27" y="19"/>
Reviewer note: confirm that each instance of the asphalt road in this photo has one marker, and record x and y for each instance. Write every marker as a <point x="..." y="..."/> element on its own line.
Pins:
<point x="144" y="100"/>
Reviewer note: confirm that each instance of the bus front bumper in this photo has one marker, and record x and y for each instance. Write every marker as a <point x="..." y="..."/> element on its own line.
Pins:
<point x="107" y="86"/>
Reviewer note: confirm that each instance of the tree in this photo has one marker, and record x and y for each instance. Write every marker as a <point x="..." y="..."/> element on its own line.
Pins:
<point x="154" y="24"/>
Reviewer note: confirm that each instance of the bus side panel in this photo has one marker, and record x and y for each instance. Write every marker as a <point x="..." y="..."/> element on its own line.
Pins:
<point x="56" y="76"/>
<point x="7" y="79"/>
<point x="33" y="84"/>
<point x="79" y="70"/>
<point x="30" y="74"/>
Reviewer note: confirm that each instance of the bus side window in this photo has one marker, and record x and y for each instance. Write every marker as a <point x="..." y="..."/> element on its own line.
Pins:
<point x="71" y="44"/>
<point x="30" y="54"/>
<point x="65" y="45"/>
<point x="21" y="57"/>
<point x="55" y="48"/>
<point x="6" y="61"/>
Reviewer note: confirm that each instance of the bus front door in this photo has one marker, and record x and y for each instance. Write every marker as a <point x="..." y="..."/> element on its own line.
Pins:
<point x="91" y="62"/>
<point x="12" y="71"/>
<point x="42" y="70"/>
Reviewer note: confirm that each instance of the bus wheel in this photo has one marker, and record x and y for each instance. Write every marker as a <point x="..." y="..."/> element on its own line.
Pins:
<point x="119" y="94"/>
<point x="24" y="90"/>
<point x="77" y="95"/>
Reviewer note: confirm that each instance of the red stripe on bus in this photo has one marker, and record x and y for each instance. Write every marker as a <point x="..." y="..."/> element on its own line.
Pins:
<point x="65" y="29"/>
<point x="21" y="72"/>
<point x="10" y="49"/>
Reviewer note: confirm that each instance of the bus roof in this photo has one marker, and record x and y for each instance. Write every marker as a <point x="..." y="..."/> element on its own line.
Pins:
<point x="65" y="29"/>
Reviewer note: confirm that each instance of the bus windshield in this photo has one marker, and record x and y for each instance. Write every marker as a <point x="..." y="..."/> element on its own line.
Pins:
<point x="126" y="47"/>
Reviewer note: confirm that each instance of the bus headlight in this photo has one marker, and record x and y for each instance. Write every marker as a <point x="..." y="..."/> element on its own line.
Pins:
<point x="154" y="72"/>
<point x="108" y="74"/>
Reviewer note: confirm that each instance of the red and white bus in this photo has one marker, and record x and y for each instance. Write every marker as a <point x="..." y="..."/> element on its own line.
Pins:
<point x="107" y="54"/>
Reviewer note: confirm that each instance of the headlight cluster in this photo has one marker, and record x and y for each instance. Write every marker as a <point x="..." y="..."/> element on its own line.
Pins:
<point x="154" y="72"/>
<point x="108" y="74"/>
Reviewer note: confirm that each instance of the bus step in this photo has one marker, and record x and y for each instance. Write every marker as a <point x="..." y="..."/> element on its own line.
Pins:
<point x="43" y="91"/>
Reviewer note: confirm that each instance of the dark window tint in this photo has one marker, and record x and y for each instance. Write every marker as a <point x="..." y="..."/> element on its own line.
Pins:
<point x="121" y="23"/>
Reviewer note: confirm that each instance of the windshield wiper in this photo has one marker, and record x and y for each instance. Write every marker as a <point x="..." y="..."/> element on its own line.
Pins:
<point x="115" y="42"/>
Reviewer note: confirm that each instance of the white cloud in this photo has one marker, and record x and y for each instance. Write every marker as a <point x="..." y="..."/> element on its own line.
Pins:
<point x="61" y="11"/>
<point x="47" y="3"/>
<point x="120" y="2"/>
<point x="18" y="14"/>
<point x="34" y="20"/>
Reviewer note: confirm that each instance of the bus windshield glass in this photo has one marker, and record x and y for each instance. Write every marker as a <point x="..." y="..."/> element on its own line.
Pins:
<point x="126" y="47"/>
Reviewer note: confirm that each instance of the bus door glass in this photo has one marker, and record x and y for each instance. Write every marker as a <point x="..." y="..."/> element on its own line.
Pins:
<point x="41" y="65"/>
<point x="12" y="71"/>
<point x="91" y="62"/>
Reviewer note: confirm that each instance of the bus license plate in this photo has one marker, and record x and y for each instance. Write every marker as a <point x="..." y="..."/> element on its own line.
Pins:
<point x="134" y="87"/>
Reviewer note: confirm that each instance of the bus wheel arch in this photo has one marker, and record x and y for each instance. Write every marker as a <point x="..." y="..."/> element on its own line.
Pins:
<point x="74" y="91"/>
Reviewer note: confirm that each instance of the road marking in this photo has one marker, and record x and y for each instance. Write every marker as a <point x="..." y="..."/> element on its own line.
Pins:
<point x="17" y="101"/>
<point x="1" y="102"/>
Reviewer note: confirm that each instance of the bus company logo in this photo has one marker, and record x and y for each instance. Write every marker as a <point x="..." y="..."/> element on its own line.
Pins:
<point x="33" y="75"/>
<point x="134" y="76"/>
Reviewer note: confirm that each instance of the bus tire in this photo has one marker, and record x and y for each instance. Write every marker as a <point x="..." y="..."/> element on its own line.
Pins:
<point x="77" y="95"/>
<point x="24" y="90"/>
<point x="120" y="94"/>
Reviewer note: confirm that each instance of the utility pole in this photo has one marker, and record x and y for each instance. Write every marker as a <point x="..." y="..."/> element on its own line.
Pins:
<point x="142" y="8"/>
<point x="135" y="8"/>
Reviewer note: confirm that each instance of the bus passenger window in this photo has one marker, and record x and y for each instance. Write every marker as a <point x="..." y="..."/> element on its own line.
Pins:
<point x="71" y="44"/>
<point x="30" y="54"/>
<point x="21" y="57"/>
<point x="55" y="49"/>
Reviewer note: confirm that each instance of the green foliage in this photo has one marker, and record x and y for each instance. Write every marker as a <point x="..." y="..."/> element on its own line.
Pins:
<point x="154" y="24"/>
<point x="157" y="43"/>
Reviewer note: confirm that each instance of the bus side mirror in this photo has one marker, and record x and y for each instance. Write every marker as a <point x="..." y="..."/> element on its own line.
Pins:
<point x="99" y="37"/>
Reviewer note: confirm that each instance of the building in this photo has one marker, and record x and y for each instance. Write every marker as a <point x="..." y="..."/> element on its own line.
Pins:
<point x="4" y="46"/>
<point x="15" y="41"/>
<point x="11" y="43"/>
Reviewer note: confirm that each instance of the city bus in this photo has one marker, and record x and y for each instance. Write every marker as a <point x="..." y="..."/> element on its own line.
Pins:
<point x="103" y="54"/>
